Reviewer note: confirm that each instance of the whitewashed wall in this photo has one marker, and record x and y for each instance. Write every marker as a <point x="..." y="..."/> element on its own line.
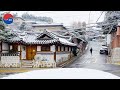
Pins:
<point x="23" y="53"/>
<point x="61" y="57"/>
<point x="49" y="56"/>
<point x="5" y="47"/>
<point x="52" y="48"/>
<point x="44" y="59"/>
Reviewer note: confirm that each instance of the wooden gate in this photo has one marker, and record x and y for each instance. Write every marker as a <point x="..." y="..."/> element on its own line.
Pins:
<point x="30" y="52"/>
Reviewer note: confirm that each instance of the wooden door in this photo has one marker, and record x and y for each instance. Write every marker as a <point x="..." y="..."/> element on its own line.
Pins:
<point x="31" y="52"/>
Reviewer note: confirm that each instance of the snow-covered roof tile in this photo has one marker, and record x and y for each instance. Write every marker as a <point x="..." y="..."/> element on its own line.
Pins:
<point x="66" y="42"/>
<point x="33" y="39"/>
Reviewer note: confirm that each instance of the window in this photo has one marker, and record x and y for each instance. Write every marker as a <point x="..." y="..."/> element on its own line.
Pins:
<point x="15" y="47"/>
<point x="18" y="47"/>
<point x="23" y="48"/>
<point x="66" y="48"/>
<point x="10" y="47"/>
<point x="59" y="48"/>
<point x="62" y="48"/>
<point x="38" y="48"/>
<point x="69" y="48"/>
<point x="45" y="48"/>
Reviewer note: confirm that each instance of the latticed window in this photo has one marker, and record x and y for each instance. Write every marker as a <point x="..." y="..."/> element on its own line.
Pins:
<point x="66" y="48"/>
<point x="15" y="47"/>
<point x="45" y="48"/>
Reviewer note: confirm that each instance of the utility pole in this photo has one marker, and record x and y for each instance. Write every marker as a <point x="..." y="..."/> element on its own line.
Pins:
<point x="89" y="18"/>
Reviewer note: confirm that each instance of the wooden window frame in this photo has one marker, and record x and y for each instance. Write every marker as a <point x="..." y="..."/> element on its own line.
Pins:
<point x="66" y="48"/>
<point x="39" y="48"/>
<point x="45" y="48"/>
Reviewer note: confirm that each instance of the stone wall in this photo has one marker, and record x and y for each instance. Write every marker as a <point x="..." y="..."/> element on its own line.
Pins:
<point x="10" y="61"/>
<point x="115" y="55"/>
<point x="62" y="56"/>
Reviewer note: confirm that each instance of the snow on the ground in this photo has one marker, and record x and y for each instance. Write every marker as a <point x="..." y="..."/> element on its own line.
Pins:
<point x="64" y="73"/>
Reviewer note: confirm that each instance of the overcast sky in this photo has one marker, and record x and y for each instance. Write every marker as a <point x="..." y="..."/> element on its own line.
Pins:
<point x="67" y="17"/>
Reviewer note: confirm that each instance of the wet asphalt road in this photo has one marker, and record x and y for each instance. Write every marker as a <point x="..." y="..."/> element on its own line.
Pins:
<point x="95" y="61"/>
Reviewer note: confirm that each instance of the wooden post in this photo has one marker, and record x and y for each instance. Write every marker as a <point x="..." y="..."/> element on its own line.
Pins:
<point x="55" y="53"/>
<point x="20" y="51"/>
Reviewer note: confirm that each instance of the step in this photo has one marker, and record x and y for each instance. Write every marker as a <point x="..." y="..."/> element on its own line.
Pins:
<point x="27" y="66"/>
<point x="27" y="62"/>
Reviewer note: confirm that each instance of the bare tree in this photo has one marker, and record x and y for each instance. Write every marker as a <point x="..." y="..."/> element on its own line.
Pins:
<point x="74" y="25"/>
<point x="84" y="25"/>
<point x="79" y="25"/>
<point x="15" y="14"/>
<point x="111" y="20"/>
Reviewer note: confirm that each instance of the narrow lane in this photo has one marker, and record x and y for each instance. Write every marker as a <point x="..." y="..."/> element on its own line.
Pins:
<point x="95" y="61"/>
<point x="87" y="58"/>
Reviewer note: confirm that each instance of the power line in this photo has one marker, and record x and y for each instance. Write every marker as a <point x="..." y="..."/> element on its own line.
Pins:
<point x="99" y="16"/>
<point x="89" y="17"/>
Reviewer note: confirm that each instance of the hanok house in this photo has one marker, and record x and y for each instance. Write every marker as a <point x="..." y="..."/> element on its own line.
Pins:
<point x="79" y="40"/>
<point x="114" y="45"/>
<point x="35" y="50"/>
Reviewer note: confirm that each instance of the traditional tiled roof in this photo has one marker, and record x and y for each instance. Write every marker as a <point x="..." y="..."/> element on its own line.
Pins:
<point x="34" y="39"/>
<point x="47" y="33"/>
<point x="19" y="18"/>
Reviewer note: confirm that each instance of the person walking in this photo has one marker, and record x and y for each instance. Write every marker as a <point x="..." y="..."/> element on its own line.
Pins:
<point x="91" y="50"/>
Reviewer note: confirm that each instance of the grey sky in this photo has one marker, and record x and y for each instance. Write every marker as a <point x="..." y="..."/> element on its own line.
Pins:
<point x="67" y="17"/>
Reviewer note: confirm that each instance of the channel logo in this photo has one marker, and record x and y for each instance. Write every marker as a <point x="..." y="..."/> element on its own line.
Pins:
<point x="8" y="18"/>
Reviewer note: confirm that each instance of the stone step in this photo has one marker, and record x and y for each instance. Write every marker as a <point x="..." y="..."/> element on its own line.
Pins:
<point x="26" y="66"/>
<point x="27" y="62"/>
